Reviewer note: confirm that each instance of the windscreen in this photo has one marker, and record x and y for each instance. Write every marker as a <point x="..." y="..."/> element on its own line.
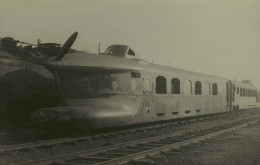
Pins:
<point x="98" y="86"/>
<point x="116" y="50"/>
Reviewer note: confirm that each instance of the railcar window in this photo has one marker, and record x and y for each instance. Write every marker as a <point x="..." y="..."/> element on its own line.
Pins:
<point x="80" y="89"/>
<point x="116" y="50"/>
<point x="197" y="88"/>
<point x="214" y="89"/>
<point x="131" y="52"/>
<point x="244" y="91"/>
<point x="135" y="75"/>
<point x="160" y="85"/>
<point x="238" y="90"/>
<point x="175" y="86"/>
<point x="187" y="87"/>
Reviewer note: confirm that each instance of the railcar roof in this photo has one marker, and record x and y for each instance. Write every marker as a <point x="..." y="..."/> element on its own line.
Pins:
<point x="243" y="84"/>
<point x="106" y="61"/>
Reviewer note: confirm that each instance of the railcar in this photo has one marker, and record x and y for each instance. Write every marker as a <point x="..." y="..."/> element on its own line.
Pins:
<point x="119" y="88"/>
<point x="258" y="99"/>
<point x="244" y="95"/>
<point x="24" y="86"/>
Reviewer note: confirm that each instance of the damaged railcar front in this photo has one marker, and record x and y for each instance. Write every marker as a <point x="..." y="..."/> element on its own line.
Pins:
<point x="24" y="85"/>
<point x="95" y="96"/>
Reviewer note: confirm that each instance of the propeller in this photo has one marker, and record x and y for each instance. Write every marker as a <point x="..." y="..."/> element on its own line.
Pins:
<point x="66" y="46"/>
<point x="64" y="49"/>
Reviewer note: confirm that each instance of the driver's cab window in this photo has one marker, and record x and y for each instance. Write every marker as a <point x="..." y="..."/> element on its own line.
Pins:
<point x="116" y="50"/>
<point x="131" y="52"/>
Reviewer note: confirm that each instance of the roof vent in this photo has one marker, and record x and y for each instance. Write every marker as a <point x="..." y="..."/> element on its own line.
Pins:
<point x="247" y="82"/>
<point x="8" y="43"/>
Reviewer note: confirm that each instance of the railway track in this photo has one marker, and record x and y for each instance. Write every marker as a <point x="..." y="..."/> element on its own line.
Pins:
<point x="92" y="155"/>
<point x="131" y="152"/>
<point x="6" y="148"/>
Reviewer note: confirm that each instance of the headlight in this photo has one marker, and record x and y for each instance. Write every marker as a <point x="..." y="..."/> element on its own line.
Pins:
<point x="44" y="115"/>
<point x="114" y="85"/>
<point x="147" y="85"/>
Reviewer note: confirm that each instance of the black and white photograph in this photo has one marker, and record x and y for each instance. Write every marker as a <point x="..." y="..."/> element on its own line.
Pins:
<point x="129" y="82"/>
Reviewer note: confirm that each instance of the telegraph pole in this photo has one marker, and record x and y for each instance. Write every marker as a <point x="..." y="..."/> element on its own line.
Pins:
<point x="99" y="48"/>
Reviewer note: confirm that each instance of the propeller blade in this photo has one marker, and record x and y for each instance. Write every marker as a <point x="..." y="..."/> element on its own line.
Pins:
<point x="66" y="46"/>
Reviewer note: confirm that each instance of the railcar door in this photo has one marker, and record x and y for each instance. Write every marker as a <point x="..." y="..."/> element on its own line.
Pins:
<point x="229" y="96"/>
<point x="148" y="94"/>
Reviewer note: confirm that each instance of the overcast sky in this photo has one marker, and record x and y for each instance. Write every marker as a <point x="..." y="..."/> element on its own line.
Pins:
<point x="217" y="37"/>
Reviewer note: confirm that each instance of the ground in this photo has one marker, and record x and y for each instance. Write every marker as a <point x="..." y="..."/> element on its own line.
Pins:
<point x="241" y="147"/>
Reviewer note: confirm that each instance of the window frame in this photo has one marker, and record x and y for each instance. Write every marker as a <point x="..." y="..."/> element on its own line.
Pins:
<point x="198" y="88"/>
<point x="175" y="83"/>
<point x="214" y="89"/>
<point x="156" y="85"/>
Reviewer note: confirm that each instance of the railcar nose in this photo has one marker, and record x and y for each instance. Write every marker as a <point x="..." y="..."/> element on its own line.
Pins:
<point x="92" y="113"/>
<point x="102" y="118"/>
<point x="89" y="117"/>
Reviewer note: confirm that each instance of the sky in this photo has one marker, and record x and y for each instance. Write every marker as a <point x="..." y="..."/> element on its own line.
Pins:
<point x="216" y="37"/>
